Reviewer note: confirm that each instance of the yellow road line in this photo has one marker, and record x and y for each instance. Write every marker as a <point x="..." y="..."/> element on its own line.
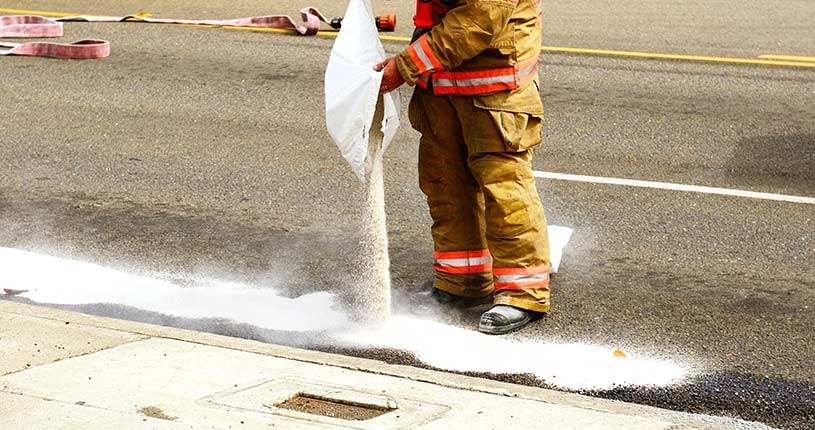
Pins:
<point x="654" y="55"/>
<point x="788" y="58"/>
<point x="763" y="60"/>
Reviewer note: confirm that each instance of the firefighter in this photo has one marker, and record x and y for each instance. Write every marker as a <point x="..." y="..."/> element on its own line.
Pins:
<point x="478" y="108"/>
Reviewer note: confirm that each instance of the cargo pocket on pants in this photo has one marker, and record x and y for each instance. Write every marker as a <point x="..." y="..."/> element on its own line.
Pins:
<point x="520" y="131"/>
<point x="516" y="115"/>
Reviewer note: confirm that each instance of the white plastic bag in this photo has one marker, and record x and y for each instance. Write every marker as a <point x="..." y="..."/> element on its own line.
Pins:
<point x="558" y="238"/>
<point x="352" y="92"/>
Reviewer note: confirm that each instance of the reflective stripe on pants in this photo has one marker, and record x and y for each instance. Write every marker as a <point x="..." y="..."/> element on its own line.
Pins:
<point x="463" y="262"/>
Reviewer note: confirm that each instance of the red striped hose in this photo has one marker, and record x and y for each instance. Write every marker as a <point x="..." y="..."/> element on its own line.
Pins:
<point x="27" y="26"/>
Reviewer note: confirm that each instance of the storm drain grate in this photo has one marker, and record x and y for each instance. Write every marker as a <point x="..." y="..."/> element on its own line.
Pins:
<point x="324" y="406"/>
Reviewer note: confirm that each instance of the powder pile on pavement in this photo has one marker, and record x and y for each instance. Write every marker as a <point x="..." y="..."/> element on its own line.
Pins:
<point x="53" y="280"/>
<point x="577" y="366"/>
<point x="573" y="366"/>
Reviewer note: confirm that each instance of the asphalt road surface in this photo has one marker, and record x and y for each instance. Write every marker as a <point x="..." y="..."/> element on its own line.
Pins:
<point x="204" y="151"/>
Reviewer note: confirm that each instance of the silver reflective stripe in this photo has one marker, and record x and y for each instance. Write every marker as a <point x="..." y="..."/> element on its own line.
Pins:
<point x="526" y="71"/>
<point x="464" y="262"/>
<point x="522" y="278"/>
<point x="473" y="82"/>
<point x="422" y="56"/>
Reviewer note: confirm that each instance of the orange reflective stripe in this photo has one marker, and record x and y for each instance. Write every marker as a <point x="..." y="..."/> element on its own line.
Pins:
<point x="429" y="53"/>
<point x="422" y="56"/>
<point x="521" y="285"/>
<point x="519" y="278"/>
<point x="485" y="81"/>
<point x="411" y="50"/>
<point x="504" y="71"/>
<point x="527" y="63"/>
<point x="479" y="268"/>
<point x="514" y="271"/>
<point x="473" y="89"/>
<point x="463" y="262"/>
<point x="462" y="254"/>
<point x="477" y="74"/>
<point x="527" y="71"/>
<point x="523" y="80"/>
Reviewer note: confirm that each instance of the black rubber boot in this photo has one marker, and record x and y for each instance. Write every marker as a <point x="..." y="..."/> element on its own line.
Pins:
<point x="503" y="319"/>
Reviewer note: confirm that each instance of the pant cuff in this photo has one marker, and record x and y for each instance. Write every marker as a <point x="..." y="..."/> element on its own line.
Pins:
<point x="529" y="305"/>
<point x="456" y="290"/>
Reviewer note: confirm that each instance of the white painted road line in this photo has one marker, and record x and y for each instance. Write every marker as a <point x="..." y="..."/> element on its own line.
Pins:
<point x="675" y="187"/>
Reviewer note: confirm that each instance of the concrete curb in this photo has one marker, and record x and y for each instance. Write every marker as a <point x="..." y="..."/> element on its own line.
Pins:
<point x="117" y="333"/>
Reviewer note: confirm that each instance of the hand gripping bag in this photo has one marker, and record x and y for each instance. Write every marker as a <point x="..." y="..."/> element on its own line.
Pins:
<point x="360" y="121"/>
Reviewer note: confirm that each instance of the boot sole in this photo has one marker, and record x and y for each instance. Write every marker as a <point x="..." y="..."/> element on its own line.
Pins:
<point x="509" y="328"/>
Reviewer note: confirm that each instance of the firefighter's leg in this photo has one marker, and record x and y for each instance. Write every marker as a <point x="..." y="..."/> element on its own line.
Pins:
<point x="462" y="261"/>
<point x="500" y="131"/>
<point x="516" y="229"/>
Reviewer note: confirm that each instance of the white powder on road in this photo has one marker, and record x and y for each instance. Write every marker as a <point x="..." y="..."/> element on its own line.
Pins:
<point x="52" y="280"/>
<point x="58" y="281"/>
<point x="573" y="366"/>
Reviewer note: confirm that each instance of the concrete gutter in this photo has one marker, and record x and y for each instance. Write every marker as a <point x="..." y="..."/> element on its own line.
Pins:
<point x="65" y="370"/>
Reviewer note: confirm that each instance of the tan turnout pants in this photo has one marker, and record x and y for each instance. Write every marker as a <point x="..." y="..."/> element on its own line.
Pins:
<point x="489" y="227"/>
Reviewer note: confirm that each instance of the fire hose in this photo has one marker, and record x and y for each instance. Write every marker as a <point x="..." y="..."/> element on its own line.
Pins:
<point x="28" y="26"/>
<point x="24" y="26"/>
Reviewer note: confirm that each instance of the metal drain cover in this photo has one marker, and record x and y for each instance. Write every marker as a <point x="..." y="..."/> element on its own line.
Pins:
<point x="316" y="404"/>
<point x="339" y="406"/>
